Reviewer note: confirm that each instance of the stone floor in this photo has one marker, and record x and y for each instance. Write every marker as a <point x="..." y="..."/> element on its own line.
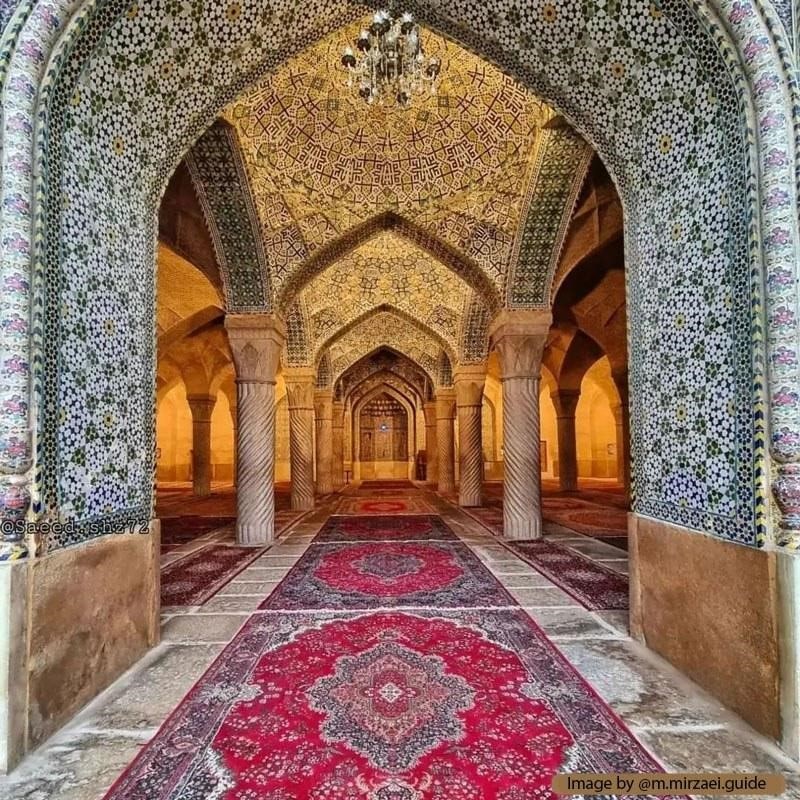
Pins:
<point x="683" y="727"/>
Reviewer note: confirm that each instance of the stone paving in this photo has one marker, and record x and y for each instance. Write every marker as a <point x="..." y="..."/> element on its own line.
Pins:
<point x="681" y="725"/>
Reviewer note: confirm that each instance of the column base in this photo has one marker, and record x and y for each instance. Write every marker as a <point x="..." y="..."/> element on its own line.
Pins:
<point x="469" y="500"/>
<point x="710" y="607"/>
<point x="254" y="533"/>
<point x="522" y="529"/>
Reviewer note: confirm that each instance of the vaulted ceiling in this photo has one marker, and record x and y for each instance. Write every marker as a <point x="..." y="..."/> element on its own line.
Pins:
<point x="374" y="226"/>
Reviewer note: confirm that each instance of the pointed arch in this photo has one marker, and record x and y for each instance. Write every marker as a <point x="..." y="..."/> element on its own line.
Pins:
<point x="327" y="255"/>
<point x="220" y="179"/>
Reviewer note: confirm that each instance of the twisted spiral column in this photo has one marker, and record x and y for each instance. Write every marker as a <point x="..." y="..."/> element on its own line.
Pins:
<point x="565" y="402"/>
<point x="518" y="337"/>
<point x="323" y="417"/>
<point x="469" y="382"/>
<point x="431" y="445"/>
<point x="201" y="406"/>
<point x="338" y="445"/>
<point x="445" y="414"/>
<point x="256" y="341"/>
<point x="300" y="392"/>
<point x="235" y="423"/>
<point x="255" y="469"/>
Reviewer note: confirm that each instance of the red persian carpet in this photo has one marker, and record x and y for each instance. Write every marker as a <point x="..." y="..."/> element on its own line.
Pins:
<point x="383" y="505"/>
<point x="467" y="705"/>
<point x="358" y="529"/>
<point x="176" y="531"/>
<point x="194" y="579"/>
<point x="594" y="585"/>
<point x="360" y="575"/>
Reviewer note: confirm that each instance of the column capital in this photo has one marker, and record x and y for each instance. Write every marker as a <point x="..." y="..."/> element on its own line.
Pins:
<point x="469" y="381"/>
<point x="565" y="401"/>
<point x="300" y="386"/>
<point x="323" y="404"/>
<point x="201" y="406"/>
<point x="518" y="336"/>
<point x="256" y="342"/>
<point x="429" y="409"/>
<point x="445" y="402"/>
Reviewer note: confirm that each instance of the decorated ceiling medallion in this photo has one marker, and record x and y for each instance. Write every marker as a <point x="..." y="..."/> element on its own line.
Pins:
<point x="391" y="65"/>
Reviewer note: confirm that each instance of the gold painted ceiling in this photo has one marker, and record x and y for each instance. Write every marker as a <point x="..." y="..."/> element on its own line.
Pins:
<point x="322" y="161"/>
<point x="385" y="328"/>
<point x="386" y="270"/>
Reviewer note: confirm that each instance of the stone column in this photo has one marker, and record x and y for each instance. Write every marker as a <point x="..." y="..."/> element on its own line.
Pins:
<point x="300" y="394"/>
<point x="323" y="419"/>
<point x="469" y="382"/>
<point x="337" y="425"/>
<point x="431" y="445"/>
<point x="519" y="337"/>
<point x="256" y="341"/>
<point x="445" y="414"/>
<point x="565" y="402"/>
<point x="201" y="406"/>
<point x="234" y="408"/>
<point x="623" y="420"/>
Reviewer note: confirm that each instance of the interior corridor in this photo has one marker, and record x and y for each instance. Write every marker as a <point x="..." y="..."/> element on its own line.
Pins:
<point x="386" y="641"/>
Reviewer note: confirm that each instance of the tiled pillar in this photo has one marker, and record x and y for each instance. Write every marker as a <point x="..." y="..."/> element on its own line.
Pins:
<point x="201" y="406"/>
<point x="469" y="382"/>
<point x="256" y="341"/>
<point x="519" y="337"/>
<point x="323" y="419"/>
<point x="445" y="414"/>
<point x="300" y="393"/>
<point x="337" y="425"/>
<point x="565" y="402"/>
<point x="431" y="445"/>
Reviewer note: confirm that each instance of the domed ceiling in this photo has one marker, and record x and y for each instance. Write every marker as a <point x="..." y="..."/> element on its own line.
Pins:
<point x="321" y="160"/>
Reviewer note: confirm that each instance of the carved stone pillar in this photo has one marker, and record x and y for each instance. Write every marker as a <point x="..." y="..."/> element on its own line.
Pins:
<point x="623" y="420"/>
<point x="519" y="337"/>
<point x="256" y="341"/>
<point x="431" y="445"/>
<point x="323" y="418"/>
<point x="338" y="445"/>
<point x="300" y="394"/>
<point x="201" y="406"/>
<point x="469" y="382"/>
<point x="445" y="414"/>
<point x="235" y="424"/>
<point x="565" y="402"/>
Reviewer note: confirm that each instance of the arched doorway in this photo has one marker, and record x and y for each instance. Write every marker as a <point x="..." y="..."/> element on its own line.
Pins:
<point x="383" y="438"/>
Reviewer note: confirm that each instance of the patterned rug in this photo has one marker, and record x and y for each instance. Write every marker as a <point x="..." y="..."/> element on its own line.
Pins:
<point x="176" y="531"/>
<point x="387" y="706"/>
<point x="370" y="529"/>
<point x="386" y="485"/>
<point x="195" y="579"/>
<point x="593" y="585"/>
<point x="363" y="575"/>
<point x="383" y="505"/>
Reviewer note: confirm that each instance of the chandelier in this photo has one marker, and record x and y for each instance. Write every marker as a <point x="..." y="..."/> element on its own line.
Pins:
<point x="391" y="64"/>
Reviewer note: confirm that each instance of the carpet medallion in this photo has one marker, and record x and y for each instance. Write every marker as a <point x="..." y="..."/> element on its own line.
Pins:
<point x="196" y="578"/>
<point x="465" y="705"/>
<point x="593" y="585"/>
<point x="384" y="528"/>
<point x="383" y="505"/>
<point x="361" y="575"/>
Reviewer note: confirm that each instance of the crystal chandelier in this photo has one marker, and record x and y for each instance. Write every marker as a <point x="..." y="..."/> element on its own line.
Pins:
<point x="389" y="63"/>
